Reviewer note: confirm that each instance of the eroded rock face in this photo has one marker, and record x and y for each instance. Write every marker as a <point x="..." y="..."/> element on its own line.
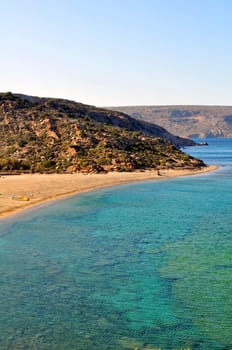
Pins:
<point x="56" y="135"/>
<point x="186" y="121"/>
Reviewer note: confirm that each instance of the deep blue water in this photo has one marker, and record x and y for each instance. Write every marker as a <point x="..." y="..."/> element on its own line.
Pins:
<point x="139" y="265"/>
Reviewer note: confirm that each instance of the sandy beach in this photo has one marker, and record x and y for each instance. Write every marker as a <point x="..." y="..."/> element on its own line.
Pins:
<point x="41" y="188"/>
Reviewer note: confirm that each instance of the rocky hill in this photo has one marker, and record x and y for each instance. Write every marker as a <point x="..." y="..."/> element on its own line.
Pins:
<point x="186" y="121"/>
<point x="55" y="135"/>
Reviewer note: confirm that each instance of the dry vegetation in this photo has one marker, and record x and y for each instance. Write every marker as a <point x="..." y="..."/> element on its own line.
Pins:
<point x="53" y="135"/>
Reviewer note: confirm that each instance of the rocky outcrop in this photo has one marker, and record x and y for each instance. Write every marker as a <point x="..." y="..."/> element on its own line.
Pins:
<point x="55" y="135"/>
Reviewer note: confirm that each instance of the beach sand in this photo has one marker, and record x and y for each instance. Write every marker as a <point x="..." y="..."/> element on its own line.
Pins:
<point x="46" y="187"/>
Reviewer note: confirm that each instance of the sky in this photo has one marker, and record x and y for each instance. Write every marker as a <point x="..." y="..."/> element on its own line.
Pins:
<point x="118" y="52"/>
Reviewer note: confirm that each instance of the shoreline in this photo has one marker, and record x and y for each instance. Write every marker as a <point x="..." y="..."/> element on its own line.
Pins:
<point x="46" y="188"/>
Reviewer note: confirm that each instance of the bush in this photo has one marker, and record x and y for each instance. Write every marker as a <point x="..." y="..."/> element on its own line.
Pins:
<point x="48" y="164"/>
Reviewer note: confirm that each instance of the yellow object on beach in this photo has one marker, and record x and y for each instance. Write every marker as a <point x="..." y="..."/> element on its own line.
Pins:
<point x="25" y="199"/>
<point x="20" y="198"/>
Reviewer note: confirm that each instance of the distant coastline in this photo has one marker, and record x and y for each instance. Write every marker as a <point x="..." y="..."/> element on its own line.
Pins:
<point x="42" y="188"/>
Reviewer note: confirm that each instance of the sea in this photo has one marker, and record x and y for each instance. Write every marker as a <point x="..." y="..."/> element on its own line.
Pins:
<point x="144" y="265"/>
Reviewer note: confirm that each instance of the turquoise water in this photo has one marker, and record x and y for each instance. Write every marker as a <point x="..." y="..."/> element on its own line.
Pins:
<point x="140" y="265"/>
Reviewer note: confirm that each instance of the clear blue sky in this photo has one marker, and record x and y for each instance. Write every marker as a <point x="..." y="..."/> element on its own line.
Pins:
<point x="118" y="52"/>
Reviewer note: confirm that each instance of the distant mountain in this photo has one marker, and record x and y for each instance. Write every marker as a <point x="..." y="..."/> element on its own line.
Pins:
<point x="114" y="118"/>
<point x="186" y="121"/>
<point x="56" y="135"/>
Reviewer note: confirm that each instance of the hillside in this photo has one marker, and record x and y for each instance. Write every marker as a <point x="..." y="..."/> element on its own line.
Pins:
<point x="186" y="121"/>
<point x="55" y="135"/>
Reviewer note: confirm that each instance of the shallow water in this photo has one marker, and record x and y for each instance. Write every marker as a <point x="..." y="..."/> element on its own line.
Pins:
<point x="133" y="265"/>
